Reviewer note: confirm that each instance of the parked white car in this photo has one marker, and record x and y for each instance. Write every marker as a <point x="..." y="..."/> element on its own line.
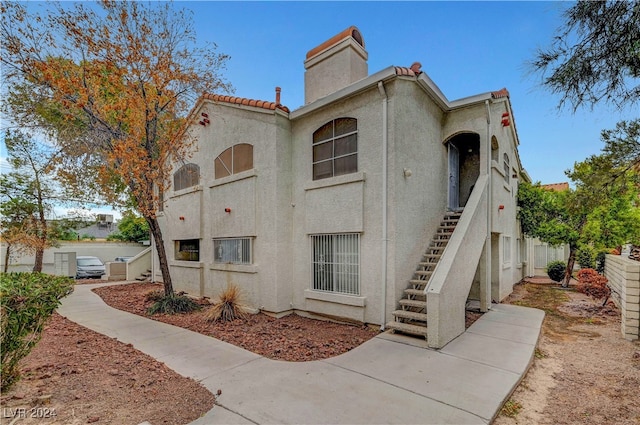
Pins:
<point x="88" y="267"/>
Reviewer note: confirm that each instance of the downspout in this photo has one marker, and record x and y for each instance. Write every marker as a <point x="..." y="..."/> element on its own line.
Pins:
<point x="485" y="301"/>
<point x="385" y="240"/>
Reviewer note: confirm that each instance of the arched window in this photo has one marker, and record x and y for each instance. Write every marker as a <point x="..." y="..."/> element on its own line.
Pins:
<point x="188" y="175"/>
<point x="234" y="160"/>
<point x="506" y="166"/>
<point x="335" y="148"/>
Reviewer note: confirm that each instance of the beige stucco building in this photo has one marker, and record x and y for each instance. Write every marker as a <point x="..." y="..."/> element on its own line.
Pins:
<point x="332" y="208"/>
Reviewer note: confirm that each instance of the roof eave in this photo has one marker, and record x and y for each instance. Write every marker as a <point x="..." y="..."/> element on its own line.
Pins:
<point x="357" y="87"/>
<point x="386" y="74"/>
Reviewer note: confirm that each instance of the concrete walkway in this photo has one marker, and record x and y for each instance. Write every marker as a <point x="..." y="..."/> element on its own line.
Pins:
<point x="390" y="379"/>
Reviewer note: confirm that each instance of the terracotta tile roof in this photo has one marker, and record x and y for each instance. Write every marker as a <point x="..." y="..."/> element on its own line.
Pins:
<point x="352" y="31"/>
<point x="500" y="93"/>
<point x="246" y="102"/>
<point x="411" y="71"/>
<point x="558" y="187"/>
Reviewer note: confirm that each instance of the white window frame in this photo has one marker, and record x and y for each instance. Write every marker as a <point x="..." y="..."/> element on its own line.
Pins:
<point x="506" y="166"/>
<point x="506" y="251"/>
<point x="233" y="250"/>
<point x="335" y="263"/>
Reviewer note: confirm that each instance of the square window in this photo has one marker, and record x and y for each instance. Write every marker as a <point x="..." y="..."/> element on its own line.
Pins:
<point x="506" y="250"/>
<point x="187" y="250"/>
<point x="322" y="170"/>
<point x="345" y="165"/>
<point x="232" y="251"/>
<point x="346" y="145"/>
<point x="322" y="151"/>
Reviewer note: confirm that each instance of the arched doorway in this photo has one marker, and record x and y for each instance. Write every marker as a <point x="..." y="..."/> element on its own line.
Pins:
<point x="464" y="168"/>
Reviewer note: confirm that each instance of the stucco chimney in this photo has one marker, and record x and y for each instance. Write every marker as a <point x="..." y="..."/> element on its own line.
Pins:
<point x="335" y="64"/>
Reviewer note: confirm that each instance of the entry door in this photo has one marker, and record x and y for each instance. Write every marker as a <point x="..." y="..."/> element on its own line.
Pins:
<point x="454" y="178"/>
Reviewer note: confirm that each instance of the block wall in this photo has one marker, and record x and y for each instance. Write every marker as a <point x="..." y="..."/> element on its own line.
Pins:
<point x="624" y="280"/>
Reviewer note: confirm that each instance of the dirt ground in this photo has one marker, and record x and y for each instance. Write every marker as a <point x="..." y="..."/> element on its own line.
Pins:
<point x="584" y="372"/>
<point x="76" y="376"/>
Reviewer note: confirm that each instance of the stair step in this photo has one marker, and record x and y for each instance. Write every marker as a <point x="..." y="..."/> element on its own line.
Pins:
<point x="424" y="272"/>
<point x="419" y="281"/>
<point x="407" y="328"/>
<point x="410" y="315"/>
<point x="416" y="292"/>
<point x="427" y="263"/>
<point x="413" y="303"/>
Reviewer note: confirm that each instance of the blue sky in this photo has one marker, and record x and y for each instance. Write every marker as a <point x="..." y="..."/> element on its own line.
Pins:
<point x="466" y="48"/>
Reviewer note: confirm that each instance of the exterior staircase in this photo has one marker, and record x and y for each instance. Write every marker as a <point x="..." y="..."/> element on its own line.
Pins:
<point x="145" y="276"/>
<point x="411" y="318"/>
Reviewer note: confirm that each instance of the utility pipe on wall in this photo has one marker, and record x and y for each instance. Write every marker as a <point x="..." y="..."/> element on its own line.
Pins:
<point x="385" y="141"/>
<point x="485" y="294"/>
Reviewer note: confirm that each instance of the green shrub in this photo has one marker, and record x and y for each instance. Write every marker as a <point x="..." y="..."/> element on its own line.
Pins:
<point x="586" y="257"/>
<point x="27" y="300"/>
<point x="173" y="304"/>
<point x="556" y="270"/>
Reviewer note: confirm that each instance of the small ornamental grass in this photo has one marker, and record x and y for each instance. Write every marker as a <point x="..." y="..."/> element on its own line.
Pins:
<point x="154" y="296"/>
<point x="228" y="306"/>
<point x="27" y="300"/>
<point x="171" y="304"/>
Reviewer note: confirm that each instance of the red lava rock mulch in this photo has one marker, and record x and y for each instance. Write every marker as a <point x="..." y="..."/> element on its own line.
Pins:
<point x="292" y="338"/>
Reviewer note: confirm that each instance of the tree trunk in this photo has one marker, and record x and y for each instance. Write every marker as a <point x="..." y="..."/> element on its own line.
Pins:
<point x="43" y="231"/>
<point x="7" y="256"/>
<point x="570" y="263"/>
<point x="154" y="227"/>
<point x="37" y="265"/>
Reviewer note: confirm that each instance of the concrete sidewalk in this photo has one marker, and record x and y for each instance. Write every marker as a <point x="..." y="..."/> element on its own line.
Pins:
<point x="390" y="379"/>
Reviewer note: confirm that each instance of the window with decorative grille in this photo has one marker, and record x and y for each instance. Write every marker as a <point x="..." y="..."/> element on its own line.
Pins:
<point x="232" y="251"/>
<point x="336" y="263"/>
